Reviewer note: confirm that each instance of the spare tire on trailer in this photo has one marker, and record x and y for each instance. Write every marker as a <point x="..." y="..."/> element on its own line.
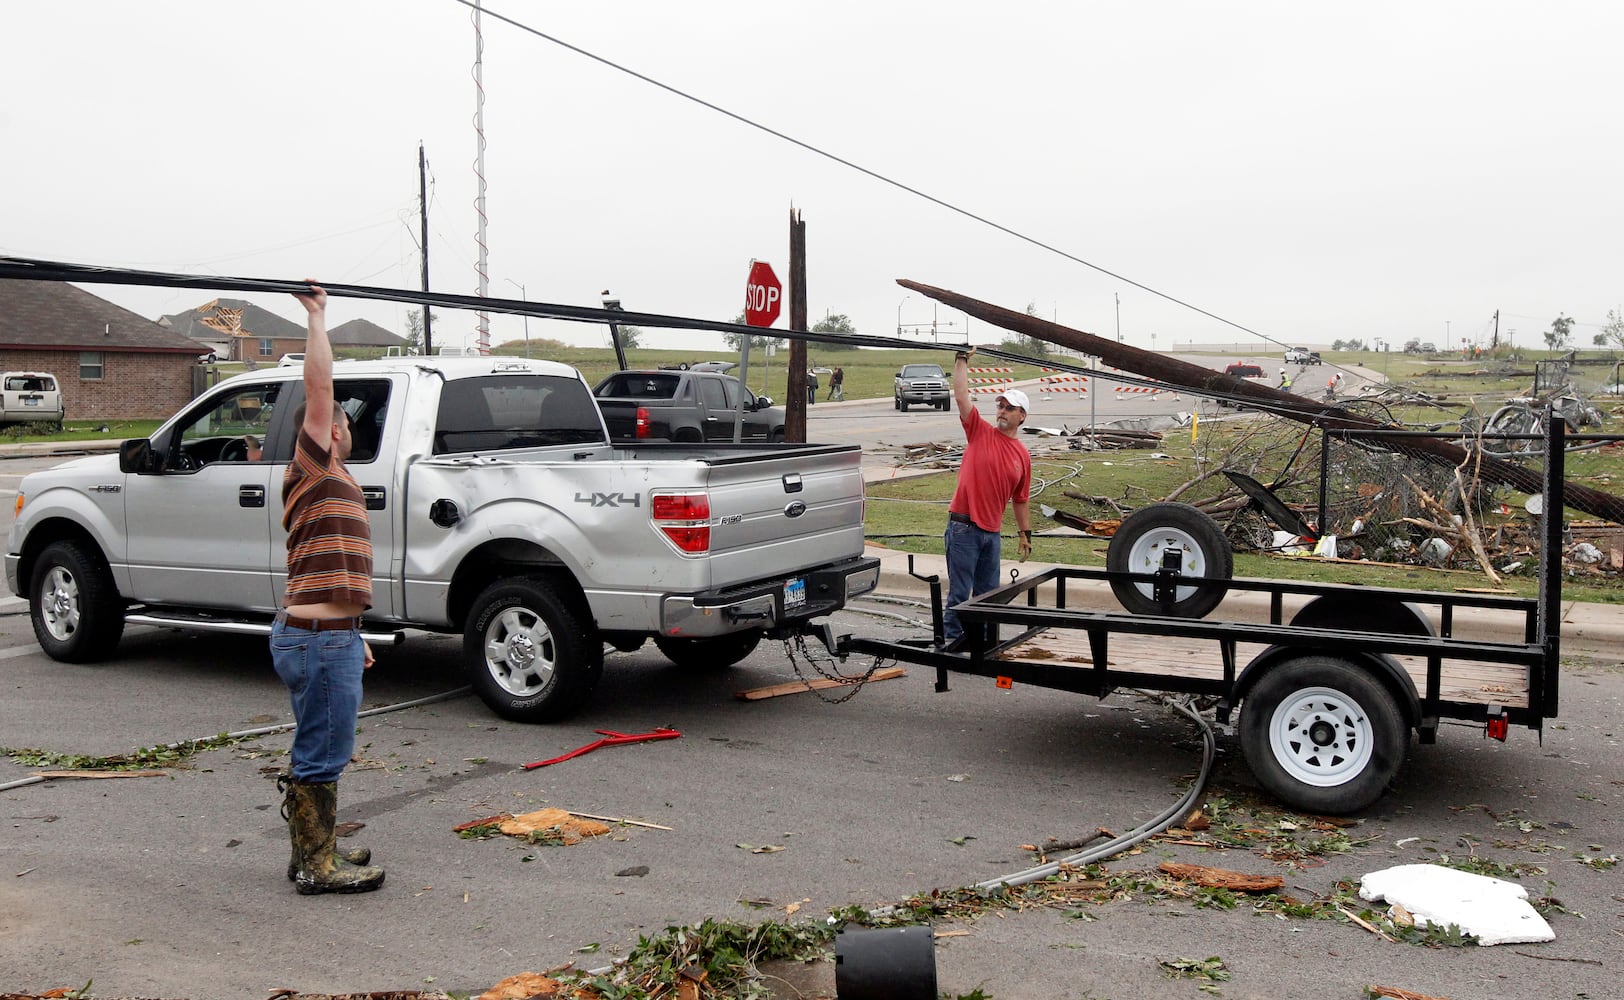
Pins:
<point x="1144" y="539"/>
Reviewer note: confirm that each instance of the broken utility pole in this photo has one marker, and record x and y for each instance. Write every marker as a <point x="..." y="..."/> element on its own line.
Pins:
<point x="1162" y="368"/>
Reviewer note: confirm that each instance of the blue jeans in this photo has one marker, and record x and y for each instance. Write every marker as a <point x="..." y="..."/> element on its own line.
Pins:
<point x="972" y="568"/>
<point x="322" y="672"/>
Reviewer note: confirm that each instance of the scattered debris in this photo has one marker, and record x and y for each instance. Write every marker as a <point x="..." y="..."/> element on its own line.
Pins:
<point x="1394" y="993"/>
<point x="1222" y="878"/>
<point x="552" y="826"/>
<point x="1492" y="910"/>
<point x="820" y="684"/>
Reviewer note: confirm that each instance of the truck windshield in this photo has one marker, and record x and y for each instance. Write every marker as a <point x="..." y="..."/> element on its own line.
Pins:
<point x="518" y="410"/>
<point x="922" y="371"/>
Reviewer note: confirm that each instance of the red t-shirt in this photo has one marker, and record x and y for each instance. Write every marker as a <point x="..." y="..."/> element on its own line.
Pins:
<point x="995" y="470"/>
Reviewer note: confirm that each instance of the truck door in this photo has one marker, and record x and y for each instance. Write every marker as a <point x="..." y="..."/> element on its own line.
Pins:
<point x="198" y="530"/>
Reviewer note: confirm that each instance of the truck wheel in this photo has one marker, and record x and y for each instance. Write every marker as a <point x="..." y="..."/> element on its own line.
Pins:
<point x="75" y="607"/>
<point x="713" y="652"/>
<point x="527" y="654"/>
<point x="1143" y="538"/>
<point x="1323" y="735"/>
<point x="777" y="435"/>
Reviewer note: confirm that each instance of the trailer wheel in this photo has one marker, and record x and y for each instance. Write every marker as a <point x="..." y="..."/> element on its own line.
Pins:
<point x="527" y="655"/>
<point x="75" y="608"/>
<point x="710" y="652"/>
<point x="1140" y="543"/>
<point x="1323" y="735"/>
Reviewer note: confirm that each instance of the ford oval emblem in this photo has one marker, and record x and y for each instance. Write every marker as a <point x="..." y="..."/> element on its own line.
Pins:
<point x="795" y="509"/>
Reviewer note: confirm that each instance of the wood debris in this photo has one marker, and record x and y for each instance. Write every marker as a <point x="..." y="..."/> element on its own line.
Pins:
<point x="818" y="684"/>
<point x="1394" y="993"/>
<point x="553" y="822"/>
<point x="1222" y="878"/>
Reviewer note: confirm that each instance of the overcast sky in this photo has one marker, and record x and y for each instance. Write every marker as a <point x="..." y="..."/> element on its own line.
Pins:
<point x="1311" y="172"/>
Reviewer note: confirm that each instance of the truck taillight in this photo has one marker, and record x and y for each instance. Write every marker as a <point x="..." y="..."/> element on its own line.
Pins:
<point x="643" y="422"/>
<point x="684" y="518"/>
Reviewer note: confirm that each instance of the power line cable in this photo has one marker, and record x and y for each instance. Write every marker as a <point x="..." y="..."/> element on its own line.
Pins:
<point x="876" y="175"/>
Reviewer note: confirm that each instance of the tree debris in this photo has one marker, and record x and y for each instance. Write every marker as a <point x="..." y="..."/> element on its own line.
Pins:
<point x="1222" y="878"/>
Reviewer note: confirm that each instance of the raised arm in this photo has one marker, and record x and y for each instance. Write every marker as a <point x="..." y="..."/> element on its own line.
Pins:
<point x="318" y="367"/>
<point x="961" y="381"/>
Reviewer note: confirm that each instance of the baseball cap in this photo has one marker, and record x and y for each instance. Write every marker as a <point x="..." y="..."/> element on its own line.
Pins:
<point x="1015" y="397"/>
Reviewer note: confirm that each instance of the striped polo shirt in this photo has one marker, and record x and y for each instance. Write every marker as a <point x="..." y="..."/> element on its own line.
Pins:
<point x="329" y="537"/>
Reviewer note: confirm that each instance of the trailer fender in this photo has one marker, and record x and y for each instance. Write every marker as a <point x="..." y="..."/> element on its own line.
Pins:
<point x="1383" y="667"/>
<point x="1357" y="613"/>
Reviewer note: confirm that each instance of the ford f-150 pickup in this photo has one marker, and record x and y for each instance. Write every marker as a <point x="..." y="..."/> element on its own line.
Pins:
<point x="500" y="510"/>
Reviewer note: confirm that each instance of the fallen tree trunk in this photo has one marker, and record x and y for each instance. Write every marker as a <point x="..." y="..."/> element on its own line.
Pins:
<point x="1162" y="368"/>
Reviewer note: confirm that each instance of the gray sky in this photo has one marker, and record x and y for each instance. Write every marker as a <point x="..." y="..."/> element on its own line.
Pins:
<point x="1309" y="171"/>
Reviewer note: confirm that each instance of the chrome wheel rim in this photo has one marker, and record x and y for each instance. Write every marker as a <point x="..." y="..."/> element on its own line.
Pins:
<point x="521" y="652"/>
<point x="59" y="603"/>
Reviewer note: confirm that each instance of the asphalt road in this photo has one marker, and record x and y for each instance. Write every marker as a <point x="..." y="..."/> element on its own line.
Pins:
<point x="173" y="886"/>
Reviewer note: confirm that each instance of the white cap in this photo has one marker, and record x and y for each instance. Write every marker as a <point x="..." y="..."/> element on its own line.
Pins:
<point x="1015" y="397"/>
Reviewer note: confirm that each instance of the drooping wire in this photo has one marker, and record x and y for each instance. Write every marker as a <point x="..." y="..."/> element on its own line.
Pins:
<point x="874" y="174"/>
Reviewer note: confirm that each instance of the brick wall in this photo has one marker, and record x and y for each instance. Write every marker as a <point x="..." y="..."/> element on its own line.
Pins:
<point x="133" y="386"/>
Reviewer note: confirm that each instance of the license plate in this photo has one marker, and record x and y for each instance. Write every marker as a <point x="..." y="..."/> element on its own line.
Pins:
<point x="30" y="402"/>
<point x="795" y="594"/>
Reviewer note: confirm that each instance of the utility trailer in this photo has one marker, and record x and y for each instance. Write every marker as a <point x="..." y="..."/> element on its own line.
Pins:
<point x="1330" y="679"/>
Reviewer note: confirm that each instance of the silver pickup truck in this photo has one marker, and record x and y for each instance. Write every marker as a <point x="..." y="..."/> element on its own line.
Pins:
<point x="499" y="509"/>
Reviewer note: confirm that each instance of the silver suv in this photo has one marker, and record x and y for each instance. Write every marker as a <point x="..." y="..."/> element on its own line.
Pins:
<point x="921" y="384"/>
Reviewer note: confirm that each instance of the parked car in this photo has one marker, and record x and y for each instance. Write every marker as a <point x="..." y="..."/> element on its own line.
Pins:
<point x="290" y="359"/>
<point x="1300" y="356"/>
<point x="921" y="384"/>
<point x="1244" y="369"/>
<point x="677" y="405"/>
<point x="30" y="396"/>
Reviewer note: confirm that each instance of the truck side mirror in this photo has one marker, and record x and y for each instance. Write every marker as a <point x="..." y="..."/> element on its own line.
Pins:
<point x="762" y="402"/>
<point x="137" y="456"/>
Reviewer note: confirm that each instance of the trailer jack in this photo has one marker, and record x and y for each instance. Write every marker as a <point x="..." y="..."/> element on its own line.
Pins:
<point x="1498" y="723"/>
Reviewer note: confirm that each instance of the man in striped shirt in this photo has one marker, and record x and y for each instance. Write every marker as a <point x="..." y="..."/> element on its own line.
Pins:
<point x="316" y="643"/>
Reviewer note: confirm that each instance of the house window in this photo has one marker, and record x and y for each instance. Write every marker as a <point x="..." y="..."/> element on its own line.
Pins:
<point x="265" y="347"/>
<point x="90" y="365"/>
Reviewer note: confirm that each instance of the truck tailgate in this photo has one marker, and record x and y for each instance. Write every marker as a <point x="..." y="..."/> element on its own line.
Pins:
<point x="776" y="509"/>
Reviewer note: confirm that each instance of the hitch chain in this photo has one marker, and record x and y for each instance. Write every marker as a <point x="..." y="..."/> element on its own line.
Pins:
<point x="856" y="681"/>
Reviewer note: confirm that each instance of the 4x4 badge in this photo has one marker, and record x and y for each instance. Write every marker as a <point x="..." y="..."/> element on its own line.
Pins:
<point x="609" y="499"/>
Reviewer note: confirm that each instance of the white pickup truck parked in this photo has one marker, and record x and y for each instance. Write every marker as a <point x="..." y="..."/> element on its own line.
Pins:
<point x="499" y="509"/>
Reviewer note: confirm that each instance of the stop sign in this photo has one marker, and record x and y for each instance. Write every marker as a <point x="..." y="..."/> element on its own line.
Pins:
<point x="763" y="295"/>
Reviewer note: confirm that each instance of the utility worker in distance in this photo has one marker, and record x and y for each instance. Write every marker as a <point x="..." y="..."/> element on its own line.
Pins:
<point x="1285" y="381"/>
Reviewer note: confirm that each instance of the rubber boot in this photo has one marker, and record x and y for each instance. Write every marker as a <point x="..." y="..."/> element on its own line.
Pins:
<point x="314" y="813"/>
<point x="355" y="855"/>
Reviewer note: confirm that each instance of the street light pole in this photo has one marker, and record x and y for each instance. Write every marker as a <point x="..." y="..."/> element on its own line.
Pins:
<point x="899" y="315"/>
<point x="523" y="297"/>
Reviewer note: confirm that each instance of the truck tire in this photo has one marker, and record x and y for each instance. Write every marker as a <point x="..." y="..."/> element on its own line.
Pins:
<point x="527" y="654"/>
<point x="1323" y="735"/>
<point x="1138" y="547"/>
<point x="74" y="605"/>
<point x="711" y="652"/>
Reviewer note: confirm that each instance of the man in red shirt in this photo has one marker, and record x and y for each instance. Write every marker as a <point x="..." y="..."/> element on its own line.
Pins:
<point x="996" y="469"/>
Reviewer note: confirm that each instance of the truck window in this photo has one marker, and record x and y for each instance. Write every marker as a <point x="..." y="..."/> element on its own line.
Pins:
<point x="638" y="385"/>
<point x="517" y="410"/>
<point x="713" y="395"/>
